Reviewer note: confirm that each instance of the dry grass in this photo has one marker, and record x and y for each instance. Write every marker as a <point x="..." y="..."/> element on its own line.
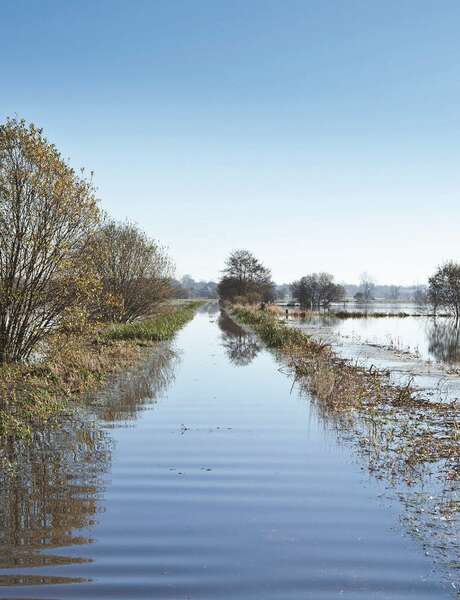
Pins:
<point x="33" y="395"/>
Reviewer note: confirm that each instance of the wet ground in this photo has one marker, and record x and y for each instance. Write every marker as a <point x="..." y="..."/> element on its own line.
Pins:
<point x="203" y="474"/>
<point x="422" y="350"/>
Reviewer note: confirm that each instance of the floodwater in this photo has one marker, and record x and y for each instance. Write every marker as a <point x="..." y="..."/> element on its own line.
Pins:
<point x="410" y="308"/>
<point x="431" y="339"/>
<point x="202" y="475"/>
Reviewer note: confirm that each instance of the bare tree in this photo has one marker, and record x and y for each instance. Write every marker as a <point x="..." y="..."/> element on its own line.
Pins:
<point x="134" y="270"/>
<point x="317" y="290"/>
<point x="420" y="296"/>
<point x="367" y="287"/>
<point x="47" y="217"/>
<point x="444" y="288"/>
<point x="393" y="292"/>
<point x="245" y="278"/>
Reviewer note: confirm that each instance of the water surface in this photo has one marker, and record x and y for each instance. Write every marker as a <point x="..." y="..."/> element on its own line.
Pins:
<point x="431" y="339"/>
<point x="202" y="474"/>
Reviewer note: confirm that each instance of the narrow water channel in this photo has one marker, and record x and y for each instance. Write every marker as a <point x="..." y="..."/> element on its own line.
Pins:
<point x="202" y="475"/>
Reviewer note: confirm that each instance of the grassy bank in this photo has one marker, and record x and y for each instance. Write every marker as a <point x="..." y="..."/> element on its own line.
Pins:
<point x="157" y="329"/>
<point x="32" y="396"/>
<point x="415" y="430"/>
<point x="335" y="381"/>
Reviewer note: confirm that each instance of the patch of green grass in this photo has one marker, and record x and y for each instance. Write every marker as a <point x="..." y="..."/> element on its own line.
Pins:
<point x="157" y="329"/>
<point x="272" y="331"/>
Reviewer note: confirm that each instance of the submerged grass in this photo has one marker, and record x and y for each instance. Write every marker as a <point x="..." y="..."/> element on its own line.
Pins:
<point x="33" y="396"/>
<point x="353" y="314"/>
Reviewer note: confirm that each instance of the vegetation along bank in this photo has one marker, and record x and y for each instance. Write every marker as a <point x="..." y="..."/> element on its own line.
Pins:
<point x="417" y="431"/>
<point x="33" y="394"/>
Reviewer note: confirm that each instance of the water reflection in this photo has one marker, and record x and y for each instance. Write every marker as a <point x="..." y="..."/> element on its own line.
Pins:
<point x="241" y="346"/>
<point x="444" y="340"/>
<point x="50" y="493"/>
<point x="427" y="338"/>
<point x="210" y="308"/>
<point x="54" y="485"/>
<point x="127" y="395"/>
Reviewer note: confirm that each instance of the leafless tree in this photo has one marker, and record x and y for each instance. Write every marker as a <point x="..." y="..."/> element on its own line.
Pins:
<point x="47" y="217"/>
<point x="245" y="278"/>
<point x="317" y="290"/>
<point x="367" y="287"/>
<point x="393" y="292"/>
<point x="420" y="296"/>
<point x="444" y="288"/>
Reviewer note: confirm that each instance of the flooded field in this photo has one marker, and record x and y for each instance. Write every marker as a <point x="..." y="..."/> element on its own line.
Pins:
<point x="431" y="339"/>
<point x="381" y="307"/>
<point x="204" y="474"/>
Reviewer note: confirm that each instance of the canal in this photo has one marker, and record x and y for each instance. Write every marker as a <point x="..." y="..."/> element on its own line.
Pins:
<point x="203" y="474"/>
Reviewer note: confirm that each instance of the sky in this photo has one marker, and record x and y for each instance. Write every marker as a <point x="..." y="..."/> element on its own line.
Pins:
<point x="321" y="135"/>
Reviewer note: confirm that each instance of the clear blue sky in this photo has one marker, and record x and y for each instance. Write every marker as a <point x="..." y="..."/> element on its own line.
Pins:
<point x="322" y="135"/>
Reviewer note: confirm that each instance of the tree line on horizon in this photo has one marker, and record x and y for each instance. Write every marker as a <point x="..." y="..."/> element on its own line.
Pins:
<point x="246" y="280"/>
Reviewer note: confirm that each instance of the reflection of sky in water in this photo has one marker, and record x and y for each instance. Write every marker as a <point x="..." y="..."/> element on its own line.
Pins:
<point x="433" y="339"/>
<point x="232" y="487"/>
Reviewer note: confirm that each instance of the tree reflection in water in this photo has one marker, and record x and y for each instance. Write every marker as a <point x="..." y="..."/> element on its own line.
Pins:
<point x="139" y="388"/>
<point x="241" y="346"/>
<point x="444" y="340"/>
<point x="55" y="485"/>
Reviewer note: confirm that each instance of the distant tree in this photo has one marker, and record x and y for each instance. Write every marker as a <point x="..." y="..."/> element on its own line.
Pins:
<point x="48" y="215"/>
<point x="188" y="283"/>
<point x="178" y="291"/>
<point x="329" y="291"/>
<point x="205" y="289"/>
<point x="317" y="290"/>
<point x="187" y="287"/>
<point x="420" y="296"/>
<point x="393" y="292"/>
<point x="367" y="287"/>
<point x="282" y="292"/>
<point x="305" y="291"/>
<point x="245" y="279"/>
<point x="444" y="288"/>
<point x="135" y="271"/>
<point x="359" y="297"/>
